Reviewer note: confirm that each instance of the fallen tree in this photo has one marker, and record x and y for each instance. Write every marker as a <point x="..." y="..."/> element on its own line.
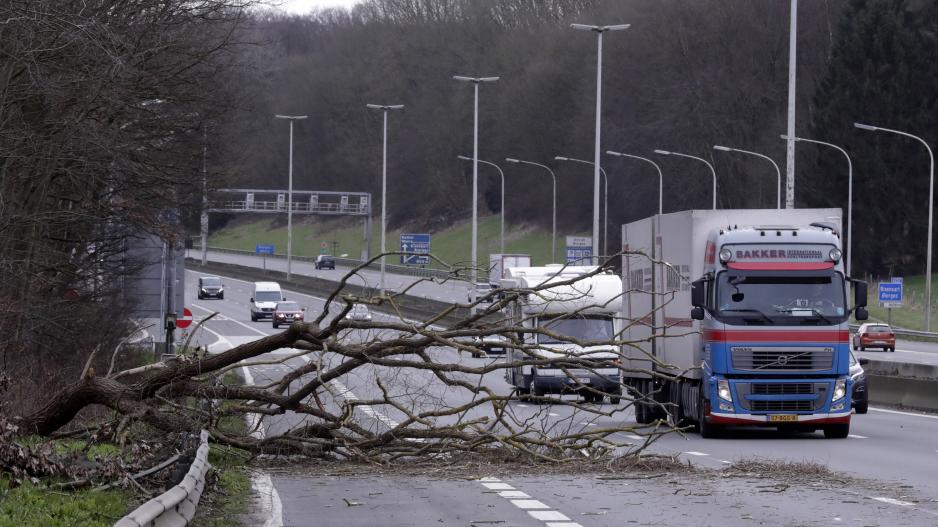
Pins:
<point x="442" y="401"/>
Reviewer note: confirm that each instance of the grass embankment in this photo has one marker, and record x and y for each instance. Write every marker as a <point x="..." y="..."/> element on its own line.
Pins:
<point x="347" y="237"/>
<point x="40" y="503"/>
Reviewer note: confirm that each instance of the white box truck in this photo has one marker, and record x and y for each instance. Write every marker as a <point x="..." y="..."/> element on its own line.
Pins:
<point x="744" y="314"/>
<point x="586" y="310"/>
<point x="499" y="263"/>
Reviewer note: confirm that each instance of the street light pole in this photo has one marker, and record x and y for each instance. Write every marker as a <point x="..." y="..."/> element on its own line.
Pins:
<point x="702" y="160"/>
<point x="849" y="193"/>
<point x="476" y="81"/>
<point x="792" y="70"/>
<point x="204" y="219"/>
<point x="384" y="177"/>
<point x="778" y="198"/>
<point x="502" y="174"/>
<point x="290" y="118"/>
<point x="605" y="195"/>
<point x="660" y="176"/>
<point x="931" y="207"/>
<point x="553" y="235"/>
<point x="599" y="30"/>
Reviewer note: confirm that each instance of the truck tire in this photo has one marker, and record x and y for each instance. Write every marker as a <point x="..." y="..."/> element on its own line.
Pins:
<point x="707" y="430"/>
<point x="862" y="408"/>
<point x="839" y="431"/>
<point x="253" y="317"/>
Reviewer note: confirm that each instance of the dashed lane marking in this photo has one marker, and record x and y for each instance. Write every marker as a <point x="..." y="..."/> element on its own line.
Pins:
<point x="536" y="508"/>
<point x="693" y="453"/>
<point x="893" y="501"/>
<point x="855" y="436"/>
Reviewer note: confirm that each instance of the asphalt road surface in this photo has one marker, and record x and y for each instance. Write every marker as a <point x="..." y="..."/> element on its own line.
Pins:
<point x="897" y="449"/>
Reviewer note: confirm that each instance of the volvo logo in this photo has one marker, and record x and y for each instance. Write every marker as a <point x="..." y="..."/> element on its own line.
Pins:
<point x="782" y="360"/>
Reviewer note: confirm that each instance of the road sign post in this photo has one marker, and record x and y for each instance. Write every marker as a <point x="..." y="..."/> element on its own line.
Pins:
<point x="890" y="296"/>
<point x="264" y="250"/>
<point x="418" y="248"/>
<point x="579" y="249"/>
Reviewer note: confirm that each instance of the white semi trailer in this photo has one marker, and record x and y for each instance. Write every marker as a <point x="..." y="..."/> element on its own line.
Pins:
<point x="745" y="313"/>
<point x="585" y="310"/>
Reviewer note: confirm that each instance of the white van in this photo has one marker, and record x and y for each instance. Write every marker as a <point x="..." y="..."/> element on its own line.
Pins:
<point x="264" y="301"/>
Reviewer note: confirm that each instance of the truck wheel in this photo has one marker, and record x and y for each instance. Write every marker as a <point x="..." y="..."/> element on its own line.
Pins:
<point x="274" y="324"/>
<point x="862" y="408"/>
<point x="837" y="431"/>
<point x="253" y="317"/>
<point x="707" y="430"/>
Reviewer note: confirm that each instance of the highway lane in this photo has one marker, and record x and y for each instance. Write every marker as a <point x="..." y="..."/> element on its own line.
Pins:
<point x="897" y="447"/>
<point x="451" y="291"/>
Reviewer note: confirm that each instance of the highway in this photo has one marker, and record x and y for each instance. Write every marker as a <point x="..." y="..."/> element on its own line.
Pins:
<point x="898" y="450"/>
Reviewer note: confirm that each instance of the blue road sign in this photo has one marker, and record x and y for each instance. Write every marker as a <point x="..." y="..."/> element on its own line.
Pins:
<point x="890" y="294"/>
<point x="419" y="246"/>
<point x="579" y="255"/>
<point x="264" y="249"/>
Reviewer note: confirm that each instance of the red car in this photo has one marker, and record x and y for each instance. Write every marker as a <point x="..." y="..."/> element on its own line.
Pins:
<point x="286" y="313"/>
<point x="874" y="335"/>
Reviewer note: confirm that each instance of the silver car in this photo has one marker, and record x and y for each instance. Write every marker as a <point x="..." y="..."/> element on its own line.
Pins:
<point x="359" y="312"/>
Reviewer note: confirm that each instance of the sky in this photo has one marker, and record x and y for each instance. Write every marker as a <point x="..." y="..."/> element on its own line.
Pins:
<point x="301" y="7"/>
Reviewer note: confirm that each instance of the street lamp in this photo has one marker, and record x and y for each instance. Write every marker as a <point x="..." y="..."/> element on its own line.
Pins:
<point x="660" y="175"/>
<point x="384" y="176"/>
<point x="778" y="185"/>
<point x="605" y="199"/>
<point x="702" y="160"/>
<point x="931" y="207"/>
<point x="290" y="118"/>
<point x="502" y="174"/>
<point x="599" y="30"/>
<point x="476" y="81"/>
<point x="849" y="192"/>
<point x="553" y="235"/>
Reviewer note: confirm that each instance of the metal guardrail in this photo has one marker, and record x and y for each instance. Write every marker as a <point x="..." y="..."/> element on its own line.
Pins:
<point x="175" y="507"/>
<point x="345" y="262"/>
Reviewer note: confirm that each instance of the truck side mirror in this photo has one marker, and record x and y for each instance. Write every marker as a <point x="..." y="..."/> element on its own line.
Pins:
<point x="697" y="313"/>
<point x="697" y="294"/>
<point x="859" y="294"/>
<point x="861" y="313"/>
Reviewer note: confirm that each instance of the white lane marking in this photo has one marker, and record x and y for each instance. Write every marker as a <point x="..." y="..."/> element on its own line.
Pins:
<point x="897" y="412"/>
<point x="221" y="339"/>
<point x="855" y="436"/>
<point x="634" y="437"/>
<point x="563" y="524"/>
<point x="498" y="486"/>
<point x="269" y="500"/>
<point x="692" y="453"/>
<point x="552" y="414"/>
<point x="893" y="501"/>
<point x="545" y="516"/>
<point x="529" y="504"/>
<point x="726" y="462"/>
<point x="489" y="480"/>
<point x="513" y="494"/>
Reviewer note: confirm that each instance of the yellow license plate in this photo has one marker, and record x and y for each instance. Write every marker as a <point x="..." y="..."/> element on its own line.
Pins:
<point x="783" y="418"/>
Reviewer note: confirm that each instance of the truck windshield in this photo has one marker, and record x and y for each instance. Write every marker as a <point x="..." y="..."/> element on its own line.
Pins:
<point x="759" y="299"/>
<point x="267" y="296"/>
<point x="589" y="327"/>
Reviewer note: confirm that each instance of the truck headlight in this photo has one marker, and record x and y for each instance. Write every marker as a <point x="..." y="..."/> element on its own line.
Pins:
<point x="840" y="390"/>
<point x="723" y="390"/>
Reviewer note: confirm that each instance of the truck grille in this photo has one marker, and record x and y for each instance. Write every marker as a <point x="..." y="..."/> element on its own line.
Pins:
<point x="782" y="406"/>
<point x="794" y="359"/>
<point x="782" y="388"/>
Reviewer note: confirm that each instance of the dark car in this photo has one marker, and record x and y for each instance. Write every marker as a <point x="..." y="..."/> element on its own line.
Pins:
<point x="325" y="261"/>
<point x="861" y="396"/>
<point x="874" y="335"/>
<point x="211" y="287"/>
<point x="286" y="313"/>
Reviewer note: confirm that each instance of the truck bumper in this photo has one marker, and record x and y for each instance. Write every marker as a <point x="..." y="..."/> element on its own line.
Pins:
<point x="765" y="420"/>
